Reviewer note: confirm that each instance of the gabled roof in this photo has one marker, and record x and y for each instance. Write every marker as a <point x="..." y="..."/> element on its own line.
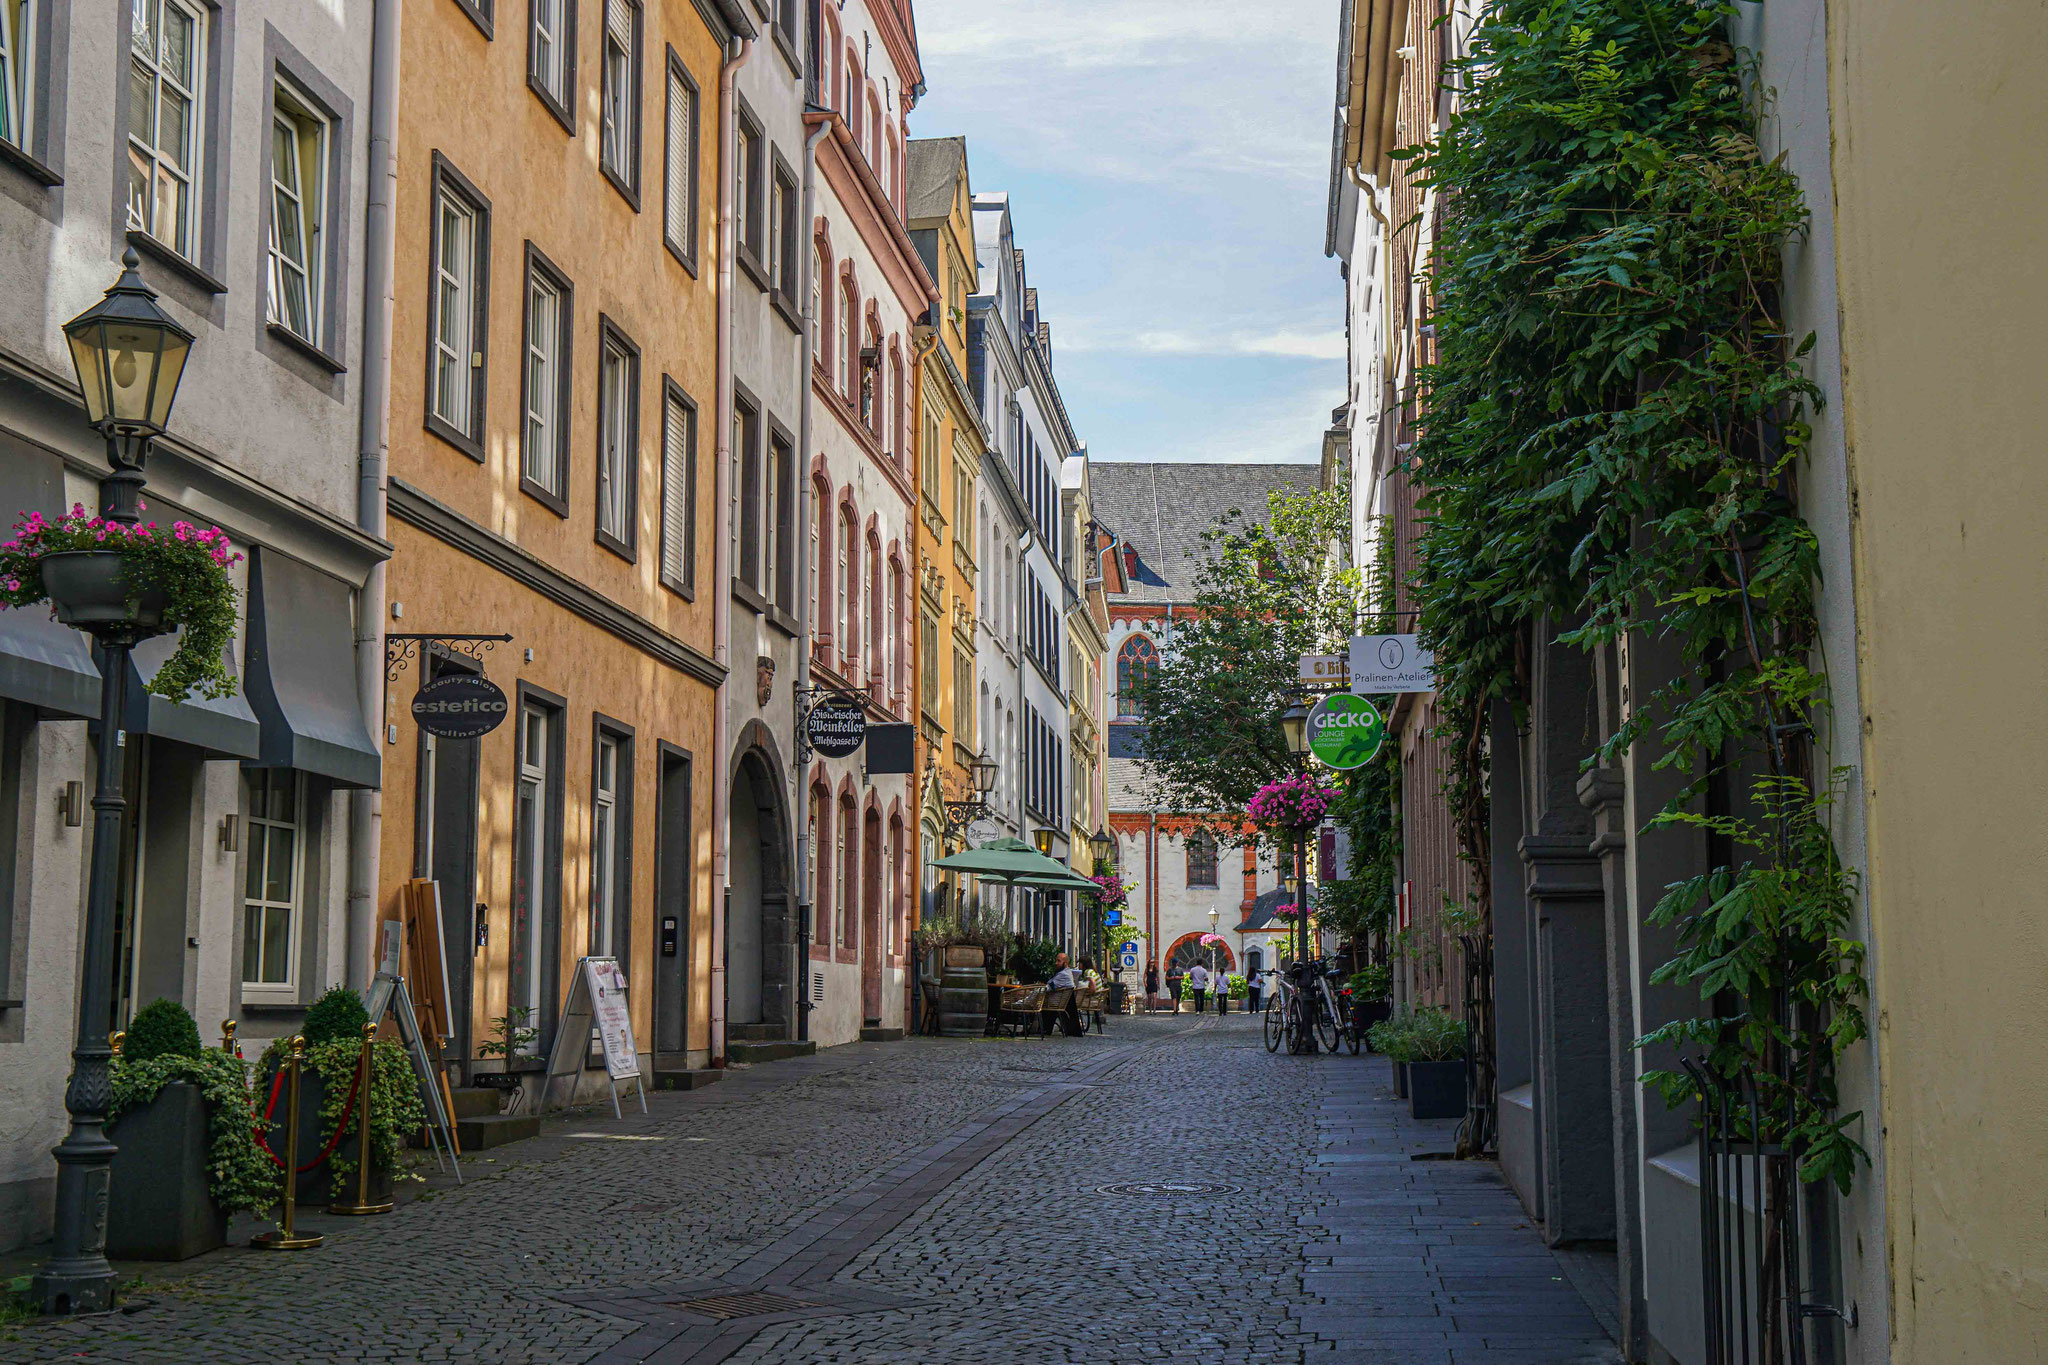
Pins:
<point x="1161" y="510"/>
<point x="936" y="167"/>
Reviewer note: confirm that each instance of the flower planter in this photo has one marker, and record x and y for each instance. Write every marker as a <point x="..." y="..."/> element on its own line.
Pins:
<point x="1366" y="1013"/>
<point x="90" y="588"/>
<point x="1436" y="1090"/>
<point x="1400" y="1078"/>
<point x="160" y="1206"/>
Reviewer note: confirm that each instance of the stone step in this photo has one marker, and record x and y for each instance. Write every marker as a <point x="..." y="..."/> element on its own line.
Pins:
<point x="682" y="1078"/>
<point x="495" y="1130"/>
<point x="475" y="1102"/>
<point x="875" y="1033"/>
<point x="749" y="1053"/>
<point x="756" y="1033"/>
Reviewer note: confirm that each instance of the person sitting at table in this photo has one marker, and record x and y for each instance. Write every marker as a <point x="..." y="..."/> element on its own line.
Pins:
<point x="1095" y="983"/>
<point x="1064" y="978"/>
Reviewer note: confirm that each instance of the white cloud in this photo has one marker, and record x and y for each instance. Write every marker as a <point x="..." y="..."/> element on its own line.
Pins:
<point x="1292" y="344"/>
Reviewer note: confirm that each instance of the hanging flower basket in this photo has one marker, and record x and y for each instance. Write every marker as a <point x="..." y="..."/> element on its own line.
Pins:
<point x="1291" y="806"/>
<point x="1113" y="892"/>
<point x="101" y="575"/>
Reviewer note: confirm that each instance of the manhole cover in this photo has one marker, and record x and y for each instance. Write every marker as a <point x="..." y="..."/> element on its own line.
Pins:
<point x="742" y="1305"/>
<point x="1170" y="1189"/>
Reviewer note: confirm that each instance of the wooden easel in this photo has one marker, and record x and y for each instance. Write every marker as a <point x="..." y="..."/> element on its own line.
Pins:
<point x="423" y="967"/>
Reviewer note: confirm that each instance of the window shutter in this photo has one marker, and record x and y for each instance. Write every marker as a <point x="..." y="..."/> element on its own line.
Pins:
<point x="680" y="191"/>
<point x="618" y="22"/>
<point x="678" y="558"/>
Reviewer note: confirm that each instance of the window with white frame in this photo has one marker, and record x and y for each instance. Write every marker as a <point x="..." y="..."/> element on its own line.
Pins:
<point x="17" y="70"/>
<point x="455" y="372"/>
<point x="679" y="174"/>
<point x="617" y="411"/>
<point x="298" y="179"/>
<point x="544" y="448"/>
<point x="607" y="887"/>
<point x="817" y="305"/>
<point x="678" y="491"/>
<point x="270" y="889"/>
<point x="619" y="140"/>
<point x="551" y="49"/>
<point x="167" y="47"/>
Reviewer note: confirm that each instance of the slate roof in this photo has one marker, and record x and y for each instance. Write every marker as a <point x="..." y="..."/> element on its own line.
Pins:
<point x="1161" y="510"/>
<point x="936" y="165"/>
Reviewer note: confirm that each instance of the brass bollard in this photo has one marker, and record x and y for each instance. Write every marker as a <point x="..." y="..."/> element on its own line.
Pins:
<point x="284" y="1237"/>
<point x="114" y="1041"/>
<point x="365" y="1070"/>
<point x="227" y="1038"/>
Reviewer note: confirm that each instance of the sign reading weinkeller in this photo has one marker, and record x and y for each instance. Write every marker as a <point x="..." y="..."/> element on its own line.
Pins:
<point x="836" y="727"/>
<point x="1345" y="731"/>
<point x="459" y="706"/>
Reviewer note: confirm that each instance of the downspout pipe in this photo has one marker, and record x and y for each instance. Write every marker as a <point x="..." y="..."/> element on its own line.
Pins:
<point x="366" y="807"/>
<point x="800" y="970"/>
<point x="737" y="50"/>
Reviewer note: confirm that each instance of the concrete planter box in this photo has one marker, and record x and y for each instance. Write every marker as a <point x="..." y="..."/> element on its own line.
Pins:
<point x="1436" y="1090"/>
<point x="1366" y="1013"/>
<point x="159" y="1204"/>
<point x="1400" y="1078"/>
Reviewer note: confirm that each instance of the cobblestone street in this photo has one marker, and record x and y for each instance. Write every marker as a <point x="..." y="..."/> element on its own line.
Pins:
<point x="930" y="1200"/>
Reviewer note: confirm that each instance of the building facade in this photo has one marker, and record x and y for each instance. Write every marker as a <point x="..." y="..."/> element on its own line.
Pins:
<point x="246" y="858"/>
<point x="868" y="292"/>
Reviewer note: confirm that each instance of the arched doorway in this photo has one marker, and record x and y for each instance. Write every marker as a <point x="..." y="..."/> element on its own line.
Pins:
<point x="871" y="945"/>
<point x="1189" y="949"/>
<point x="760" y="921"/>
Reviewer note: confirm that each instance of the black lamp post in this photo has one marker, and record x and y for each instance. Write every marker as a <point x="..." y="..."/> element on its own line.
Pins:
<point x="1294" y="726"/>
<point x="129" y="355"/>
<point x="1101" y="846"/>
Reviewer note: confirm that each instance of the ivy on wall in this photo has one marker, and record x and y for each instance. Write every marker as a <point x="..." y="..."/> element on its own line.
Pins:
<point x="1609" y="435"/>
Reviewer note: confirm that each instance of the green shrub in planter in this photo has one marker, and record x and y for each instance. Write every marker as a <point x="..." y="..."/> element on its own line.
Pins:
<point x="1372" y="983"/>
<point x="1434" y="1036"/>
<point x="1390" y="1037"/>
<point x="337" y="1015"/>
<point x="162" y="1028"/>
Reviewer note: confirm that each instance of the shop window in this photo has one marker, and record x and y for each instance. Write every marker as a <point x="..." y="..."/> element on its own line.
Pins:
<point x="272" y="879"/>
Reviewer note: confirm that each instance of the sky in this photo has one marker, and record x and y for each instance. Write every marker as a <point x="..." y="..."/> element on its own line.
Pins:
<point x="1167" y="163"/>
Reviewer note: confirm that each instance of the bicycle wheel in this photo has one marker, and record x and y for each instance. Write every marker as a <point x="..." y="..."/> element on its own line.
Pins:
<point x="1276" y="1024"/>
<point x="1354" y="1038"/>
<point x="1300" y="1037"/>
<point x="1326" y="1022"/>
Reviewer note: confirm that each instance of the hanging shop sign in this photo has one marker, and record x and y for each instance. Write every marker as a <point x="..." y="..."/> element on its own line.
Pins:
<point x="1323" y="669"/>
<point x="1382" y="664"/>
<point x="1112" y="918"/>
<point x="1345" y="731"/>
<point x="836" y="726"/>
<point x="460" y="706"/>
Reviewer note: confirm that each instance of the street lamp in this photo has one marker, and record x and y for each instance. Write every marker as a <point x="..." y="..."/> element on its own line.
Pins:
<point x="1215" y="958"/>
<point x="1100" y="845"/>
<point x="1294" y="729"/>
<point x="129" y="355"/>
<point x="1041" y="839"/>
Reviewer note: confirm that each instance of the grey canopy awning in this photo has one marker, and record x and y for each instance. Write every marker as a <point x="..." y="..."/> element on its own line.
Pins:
<point x="302" y="673"/>
<point x="224" y="727"/>
<point x="42" y="662"/>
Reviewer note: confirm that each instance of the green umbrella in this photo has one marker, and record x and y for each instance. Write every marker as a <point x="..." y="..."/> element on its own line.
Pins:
<point x="1016" y="863"/>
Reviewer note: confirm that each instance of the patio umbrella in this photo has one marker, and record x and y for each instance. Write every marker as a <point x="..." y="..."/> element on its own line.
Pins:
<point x="1015" y="863"/>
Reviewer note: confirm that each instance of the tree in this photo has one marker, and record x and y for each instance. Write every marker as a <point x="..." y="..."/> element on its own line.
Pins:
<point x="1267" y="592"/>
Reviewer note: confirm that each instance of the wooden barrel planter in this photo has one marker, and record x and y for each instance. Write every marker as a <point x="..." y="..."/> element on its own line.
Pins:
<point x="963" y="993"/>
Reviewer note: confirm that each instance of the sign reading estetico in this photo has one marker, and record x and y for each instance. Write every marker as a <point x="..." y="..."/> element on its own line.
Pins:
<point x="1345" y="731"/>
<point x="1390" y="663"/>
<point x="459" y="706"/>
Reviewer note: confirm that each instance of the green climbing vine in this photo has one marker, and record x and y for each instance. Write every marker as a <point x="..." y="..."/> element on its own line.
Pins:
<point x="1610" y="432"/>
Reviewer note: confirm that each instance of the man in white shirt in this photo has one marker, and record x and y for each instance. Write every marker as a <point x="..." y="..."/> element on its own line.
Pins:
<point x="1198" y="981"/>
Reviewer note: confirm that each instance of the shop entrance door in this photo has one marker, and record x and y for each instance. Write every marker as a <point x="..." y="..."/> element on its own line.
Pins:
<point x="445" y="851"/>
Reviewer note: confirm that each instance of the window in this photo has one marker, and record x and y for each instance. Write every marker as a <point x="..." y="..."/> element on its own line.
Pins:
<point x="298" y="182"/>
<point x="544" y="440"/>
<point x="167" y="46"/>
<point x="849" y="875"/>
<point x="928" y="454"/>
<point x="821" y="625"/>
<point x="618" y="438"/>
<point x="1134" y="659"/>
<point x="963" y="511"/>
<point x="17" y="71"/>
<point x="821" y="888"/>
<point x="849" y="340"/>
<point x="895" y="445"/>
<point x="270" y="889"/>
<point x="1201" y="846"/>
<point x="870" y="362"/>
<point x="460" y="277"/>
<point x="746" y="456"/>
<point x="611" y="843"/>
<point x="551" y="56"/>
<point x="875" y="608"/>
<point x="821" y="325"/>
<point x="963" y="697"/>
<point x="679" y="166"/>
<point x="849" y="594"/>
<point x="750" y="174"/>
<point x="678" y="489"/>
<point x="780" y="486"/>
<point x="928" y="664"/>
<point x="782" y="232"/>
<point x="892" y="665"/>
<point x="619" y="142"/>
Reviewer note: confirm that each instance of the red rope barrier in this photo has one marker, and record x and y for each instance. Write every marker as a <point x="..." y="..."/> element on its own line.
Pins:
<point x="263" y="1128"/>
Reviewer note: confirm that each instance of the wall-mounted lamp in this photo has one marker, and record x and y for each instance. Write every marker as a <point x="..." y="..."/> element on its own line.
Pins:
<point x="71" y="804"/>
<point x="230" y="833"/>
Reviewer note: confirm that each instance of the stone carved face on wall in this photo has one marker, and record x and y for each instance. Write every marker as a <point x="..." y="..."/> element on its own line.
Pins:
<point x="764" y="679"/>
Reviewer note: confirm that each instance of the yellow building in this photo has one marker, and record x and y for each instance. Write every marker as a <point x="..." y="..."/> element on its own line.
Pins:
<point x="950" y="441"/>
<point x="552" y="477"/>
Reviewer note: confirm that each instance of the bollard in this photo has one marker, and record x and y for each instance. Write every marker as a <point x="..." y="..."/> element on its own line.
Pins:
<point x="228" y="1042"/>
<point x="365" y="1070"/>
<point x="114" y="1041"/>
<point x="284" y="1237"/>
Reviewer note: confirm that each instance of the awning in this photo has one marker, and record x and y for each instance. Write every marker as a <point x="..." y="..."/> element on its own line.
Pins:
<point x="42" y="662"/>
<point x="1016" y="863"/>
<point x="224" y="727"/>
<point x="302" y="673"/>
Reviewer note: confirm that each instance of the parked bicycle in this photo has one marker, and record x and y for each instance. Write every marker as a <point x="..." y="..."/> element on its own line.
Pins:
<point x="1305" y="1013"/>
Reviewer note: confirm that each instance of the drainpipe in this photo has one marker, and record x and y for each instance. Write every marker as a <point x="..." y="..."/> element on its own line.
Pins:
<point x="366" y="807"/>
<point x="800" y="975"/>
<point x="736" y="53"/>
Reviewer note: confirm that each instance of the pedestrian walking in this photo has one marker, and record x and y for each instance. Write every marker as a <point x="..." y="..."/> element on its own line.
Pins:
<point x="1222" y="993"/>
<point x="1151" y="985"/>
<point x="1254" y="985"/>
<point x="1198" y="982"/>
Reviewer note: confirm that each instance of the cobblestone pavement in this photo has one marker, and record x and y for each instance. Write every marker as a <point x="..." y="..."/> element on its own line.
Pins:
<point x="929" y="1200"/>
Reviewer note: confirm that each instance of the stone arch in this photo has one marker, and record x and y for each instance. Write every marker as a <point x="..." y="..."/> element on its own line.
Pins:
<point x="762" y="951"/>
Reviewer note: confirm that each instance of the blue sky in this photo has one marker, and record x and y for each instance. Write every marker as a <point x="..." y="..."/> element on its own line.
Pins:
<point x="1167" y="163"/>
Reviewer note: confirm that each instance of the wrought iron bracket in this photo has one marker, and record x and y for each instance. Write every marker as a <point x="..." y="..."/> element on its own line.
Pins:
<point x="400" y="648"/>
<point x="1828" y="1310"/>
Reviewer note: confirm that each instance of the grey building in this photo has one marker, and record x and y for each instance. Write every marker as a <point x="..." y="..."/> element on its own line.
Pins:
<point x="230" y="146"/>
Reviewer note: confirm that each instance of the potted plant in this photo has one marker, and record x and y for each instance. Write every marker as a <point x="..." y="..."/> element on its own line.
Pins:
<point x="329" y="1111"/>
<point x="1291" y="806"/>
<point x="1389" y="1038"/>
<point x="1436" y="1044"/>
<point x="185" y="1156"/>
<point x="1371" y="988"/>
<point x="93" y="571"/>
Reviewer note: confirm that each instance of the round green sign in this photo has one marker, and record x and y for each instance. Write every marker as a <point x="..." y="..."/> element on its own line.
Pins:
<point x="1345" y="731"/>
